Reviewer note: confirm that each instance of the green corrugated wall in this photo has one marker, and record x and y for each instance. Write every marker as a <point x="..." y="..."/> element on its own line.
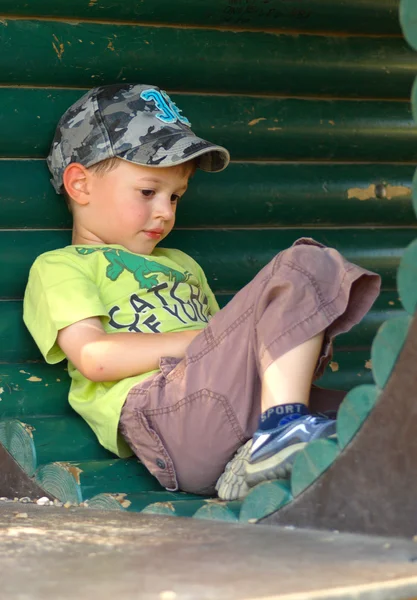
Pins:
<point x="310" y="96"/>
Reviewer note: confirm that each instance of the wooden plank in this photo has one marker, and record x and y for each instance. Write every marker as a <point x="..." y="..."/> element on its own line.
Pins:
<point x="251" y="194"/>
<point x="77" y="54"/>
<point x="32" y="389"/>
<point x="355" y="16"/>
<point x="252" y="128"/>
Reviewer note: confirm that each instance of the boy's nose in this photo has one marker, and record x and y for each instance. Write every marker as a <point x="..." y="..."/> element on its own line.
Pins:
<point x="165" y="210"/>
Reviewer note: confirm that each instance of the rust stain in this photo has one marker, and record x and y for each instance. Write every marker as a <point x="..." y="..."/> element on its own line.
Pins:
<point x="256" y="121"/>
<point x="334" y="366"/>
<point x="390" y="192"/>
<point x="368" y="364"/>
<point x="33" y="378"/>
<point x="110" y="46"/>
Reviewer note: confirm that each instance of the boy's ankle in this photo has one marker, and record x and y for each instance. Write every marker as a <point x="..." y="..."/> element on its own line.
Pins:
<point x="281" y="414"/>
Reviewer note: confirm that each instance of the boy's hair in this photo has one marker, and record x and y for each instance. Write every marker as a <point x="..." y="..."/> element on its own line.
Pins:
<point x="134" y="122"/>
<point x="105" y="166"/>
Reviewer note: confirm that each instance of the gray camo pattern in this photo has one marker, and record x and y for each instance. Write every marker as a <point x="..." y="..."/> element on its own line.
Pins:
<point x="114" y="121"/>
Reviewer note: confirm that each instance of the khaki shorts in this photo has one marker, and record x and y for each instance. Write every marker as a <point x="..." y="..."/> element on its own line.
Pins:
<point x="186" y="422"/>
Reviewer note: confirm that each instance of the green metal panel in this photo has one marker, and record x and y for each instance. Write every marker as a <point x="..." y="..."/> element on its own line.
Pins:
<point x="245" y="194"/>
<point x="252" y="128"/>
<point x="356" y="16"/>
<point x="81" y="54"/>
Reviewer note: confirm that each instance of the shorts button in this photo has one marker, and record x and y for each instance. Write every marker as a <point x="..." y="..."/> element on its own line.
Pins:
<point x="160" y="463"/>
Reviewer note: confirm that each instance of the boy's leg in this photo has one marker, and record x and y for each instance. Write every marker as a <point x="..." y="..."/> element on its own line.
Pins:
<point x="187" y="422"/>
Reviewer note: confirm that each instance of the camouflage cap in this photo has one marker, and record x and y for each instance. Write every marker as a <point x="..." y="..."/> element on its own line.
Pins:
<point x="137" y="123"/>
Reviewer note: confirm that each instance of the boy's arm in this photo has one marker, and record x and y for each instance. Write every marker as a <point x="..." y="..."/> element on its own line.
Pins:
<point x="102" y="356"/>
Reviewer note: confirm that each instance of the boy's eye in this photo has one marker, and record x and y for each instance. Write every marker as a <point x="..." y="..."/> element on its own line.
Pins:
<point x="147" y="193"/>
<point x="175" y="198"/>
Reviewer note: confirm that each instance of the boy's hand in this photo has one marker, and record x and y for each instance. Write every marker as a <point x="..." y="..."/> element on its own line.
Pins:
<point x="102" y="356"/>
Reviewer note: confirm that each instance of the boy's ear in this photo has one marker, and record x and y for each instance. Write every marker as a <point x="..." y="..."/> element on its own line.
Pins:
<point x="76" y="181"/>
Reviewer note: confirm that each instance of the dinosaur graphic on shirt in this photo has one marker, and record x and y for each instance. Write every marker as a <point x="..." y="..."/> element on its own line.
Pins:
<point x="144" y="271"/>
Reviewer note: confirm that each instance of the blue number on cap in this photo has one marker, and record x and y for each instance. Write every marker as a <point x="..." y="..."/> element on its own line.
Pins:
<point x="170" y="113"/>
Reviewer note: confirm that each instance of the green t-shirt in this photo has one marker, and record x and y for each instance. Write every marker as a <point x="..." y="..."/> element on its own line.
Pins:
<point x="164" y="292"/>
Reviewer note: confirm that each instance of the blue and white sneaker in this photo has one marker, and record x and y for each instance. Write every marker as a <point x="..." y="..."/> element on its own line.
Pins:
<point x="271" y="453"/>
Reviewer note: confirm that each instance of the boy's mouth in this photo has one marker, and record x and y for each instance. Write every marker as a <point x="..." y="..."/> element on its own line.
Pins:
<point x="154" y="233"/>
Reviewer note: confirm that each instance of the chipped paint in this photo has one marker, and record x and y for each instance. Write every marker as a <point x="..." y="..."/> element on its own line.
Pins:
<point x="368" y="364"/>
<point x="334" y="366"/>
<point x="110" y="46"/>
<point x="391" y="303"/>
<point x="274" y="128"/>
<point x="4" y="22"/>
<point x="24" y="372"/>
<point x="58" y="49"/>
<point x="332" y="122"/>
<point x="33" y="378"/>
<point x="390" y="192"/>
<point x="256" y="121"/>
<point x="92" y="3"/>
<point x="1" y="390"/>
<point x="75" y="471"/>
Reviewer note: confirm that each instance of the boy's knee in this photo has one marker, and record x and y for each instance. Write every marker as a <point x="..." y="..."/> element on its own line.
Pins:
<point x="317" y="260"/>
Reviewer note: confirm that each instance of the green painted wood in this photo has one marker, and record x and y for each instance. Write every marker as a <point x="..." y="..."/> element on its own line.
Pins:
<point x="264" y="499"/>
<point x="41" y="440"/>
<point x="33" y="389"/>
<point x="137" y="502"/>
<point x="282" y="128"/>
<point x="407" y="278"/>
<point x="84" y="479"/>
<point x="78" y="55"/>
<point x="348" y="369"/>
<point x="61" y="481"/>
<point x="354" y="411"/>
<point x="311" y="462"/>
<point x="230" y="258"/>
<point x="18" y="440"/>
<point x="414" y="186"/>
<point x="356" y="16"/>
<point x="386" y="348"/>
<point x="408" y="20"/>
<point x="219" y="511"/>
<point x="175" y="508"/>
<point x="243" y="195"/>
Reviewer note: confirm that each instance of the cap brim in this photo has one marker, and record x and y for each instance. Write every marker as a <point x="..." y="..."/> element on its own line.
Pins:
<point x="210" y="157"/>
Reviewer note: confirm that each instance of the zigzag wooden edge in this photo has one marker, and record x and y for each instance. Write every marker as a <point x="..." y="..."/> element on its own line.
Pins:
<point x="15" y="482"/>
<point x="371" y="487"/>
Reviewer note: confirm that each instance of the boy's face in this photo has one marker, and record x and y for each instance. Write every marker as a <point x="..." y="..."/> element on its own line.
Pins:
<point x="132" y="205"/>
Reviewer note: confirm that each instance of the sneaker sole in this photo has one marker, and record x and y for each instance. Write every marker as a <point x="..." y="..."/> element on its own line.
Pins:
<point x="232" y="484"/>
<point x="278" y="466"/>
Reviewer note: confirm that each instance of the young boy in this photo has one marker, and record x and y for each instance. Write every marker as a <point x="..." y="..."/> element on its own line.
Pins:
<point x="156" y="368"/>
